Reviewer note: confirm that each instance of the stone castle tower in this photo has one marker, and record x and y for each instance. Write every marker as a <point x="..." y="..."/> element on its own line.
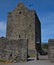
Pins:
<point x="24" y="23"/>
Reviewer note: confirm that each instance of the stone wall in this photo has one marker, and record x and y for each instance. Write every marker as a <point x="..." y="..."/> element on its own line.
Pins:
<point x="2" y="47"/>
<point x="17" y="50"/>
<point x="13" y="50"/>
<point x="51" y="50"/>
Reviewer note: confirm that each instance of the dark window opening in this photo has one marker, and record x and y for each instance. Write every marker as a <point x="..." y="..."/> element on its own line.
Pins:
<point x="19" y="36"/>
<point x="20" y="12"/>
<point x="30" y="25"/>
<point x="10" y="55"/>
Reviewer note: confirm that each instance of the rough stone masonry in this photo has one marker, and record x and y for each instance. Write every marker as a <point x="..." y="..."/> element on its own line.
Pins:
<point x="51" y="50"/>
<point x="23" y="31"/>
<point x="24" y="23"/>
<point x="13" y="50"/>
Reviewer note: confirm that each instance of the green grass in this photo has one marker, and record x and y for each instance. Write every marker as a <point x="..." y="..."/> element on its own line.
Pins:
<point x="4" y="61"/>
<point x="32" y="55"/>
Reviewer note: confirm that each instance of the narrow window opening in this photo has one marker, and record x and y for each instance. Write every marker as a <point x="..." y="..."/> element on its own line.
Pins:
<point x="10" y="55"/>
<point x="20" y="12"/>
<point x="19" y="36"/>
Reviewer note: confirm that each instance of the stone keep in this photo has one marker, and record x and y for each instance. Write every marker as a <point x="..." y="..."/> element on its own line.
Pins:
<point x="24" y="23"/>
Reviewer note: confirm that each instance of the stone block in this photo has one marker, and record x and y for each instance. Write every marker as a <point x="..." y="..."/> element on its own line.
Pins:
<point x="51" y="50"/>
<point x="17" y="50"/>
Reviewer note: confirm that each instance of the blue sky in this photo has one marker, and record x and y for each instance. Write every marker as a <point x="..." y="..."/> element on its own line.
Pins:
<point x="44" y="9"/>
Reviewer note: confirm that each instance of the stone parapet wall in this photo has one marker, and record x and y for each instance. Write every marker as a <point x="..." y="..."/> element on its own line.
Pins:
<point x="13" y="50"/>
<point x="51" y="50"/>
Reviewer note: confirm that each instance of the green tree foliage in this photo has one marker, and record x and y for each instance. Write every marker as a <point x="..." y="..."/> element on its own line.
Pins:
<point x="45" y="46"/>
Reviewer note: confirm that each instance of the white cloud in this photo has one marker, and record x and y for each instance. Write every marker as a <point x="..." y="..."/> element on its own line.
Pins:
<point x="2" y="28"/>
